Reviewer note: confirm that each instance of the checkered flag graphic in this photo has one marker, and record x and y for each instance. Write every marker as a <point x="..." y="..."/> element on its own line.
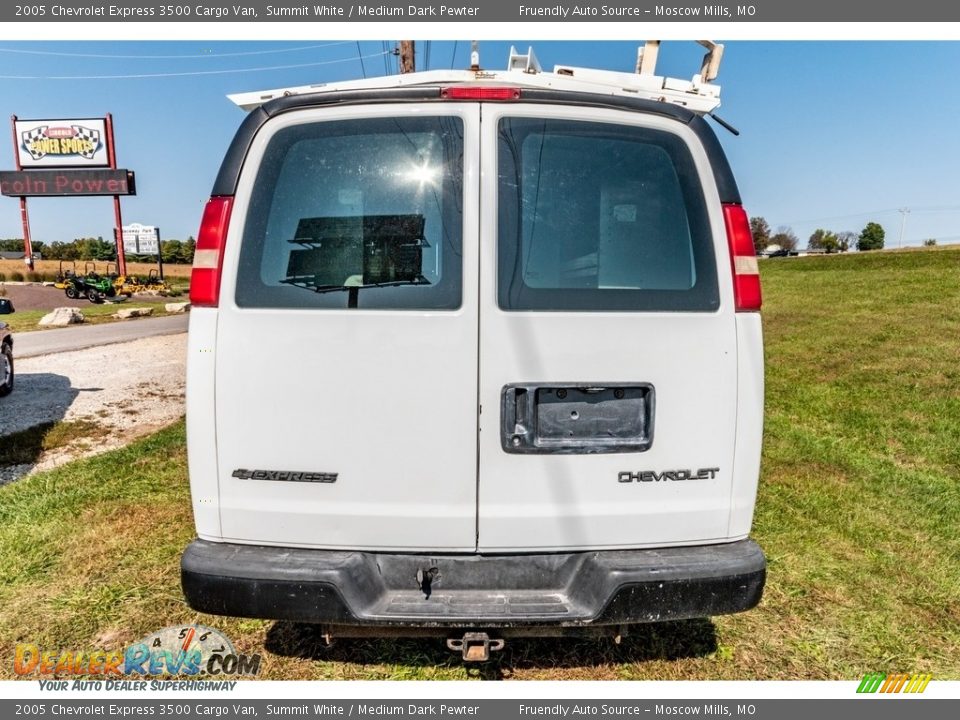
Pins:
<point x="34" y="134"/>
<point x="82" y="133"/>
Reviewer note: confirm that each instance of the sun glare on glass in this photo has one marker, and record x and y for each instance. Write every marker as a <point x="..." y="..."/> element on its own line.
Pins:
<point x="423" y="174"/>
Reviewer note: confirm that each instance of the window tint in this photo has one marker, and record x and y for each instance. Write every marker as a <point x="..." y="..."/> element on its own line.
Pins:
<point x="600" y="216"/>
<point x="356" y="213"/>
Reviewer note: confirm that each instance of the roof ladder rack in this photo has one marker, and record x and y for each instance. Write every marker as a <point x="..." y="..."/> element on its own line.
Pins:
<point x="527" y="63"/>
<point x="523" y="70"/>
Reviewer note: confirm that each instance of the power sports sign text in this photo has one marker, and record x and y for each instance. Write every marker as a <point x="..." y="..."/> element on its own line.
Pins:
<point x="62" y="143"/>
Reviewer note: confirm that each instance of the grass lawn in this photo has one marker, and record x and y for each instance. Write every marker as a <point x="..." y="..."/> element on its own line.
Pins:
<point x="26" y="320"/>
<point x="859" y="513"/>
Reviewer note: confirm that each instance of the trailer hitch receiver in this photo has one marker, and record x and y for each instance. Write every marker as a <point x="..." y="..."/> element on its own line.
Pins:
<point x="475" y="646"/>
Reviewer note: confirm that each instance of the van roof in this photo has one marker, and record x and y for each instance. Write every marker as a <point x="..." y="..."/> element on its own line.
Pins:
<point x="523" y="71"/>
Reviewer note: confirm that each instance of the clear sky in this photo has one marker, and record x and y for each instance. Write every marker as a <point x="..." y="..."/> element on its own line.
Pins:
<point x="833" y="134"/>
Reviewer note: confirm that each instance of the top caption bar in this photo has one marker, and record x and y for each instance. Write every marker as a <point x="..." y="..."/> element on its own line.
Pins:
<point x="483" y="11"/>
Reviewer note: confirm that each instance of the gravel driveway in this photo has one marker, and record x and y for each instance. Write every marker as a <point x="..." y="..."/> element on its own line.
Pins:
<point x="125" y="390"/>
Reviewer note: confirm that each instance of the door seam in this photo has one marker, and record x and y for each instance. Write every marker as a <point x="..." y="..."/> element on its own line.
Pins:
<point x="479" y="406"/>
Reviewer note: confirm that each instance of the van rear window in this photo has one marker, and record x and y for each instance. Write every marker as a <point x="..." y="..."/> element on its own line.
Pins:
<point x="361" y="213"/>
<point x="600" y="216"/>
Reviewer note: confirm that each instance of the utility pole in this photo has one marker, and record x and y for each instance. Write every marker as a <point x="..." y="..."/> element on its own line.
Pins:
<point x="903" y="223"/>
<point x="407" y="63"/>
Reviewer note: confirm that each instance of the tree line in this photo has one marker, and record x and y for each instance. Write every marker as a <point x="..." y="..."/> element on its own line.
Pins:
<point x="96" y="248"/>
<point x="870" y="238"/>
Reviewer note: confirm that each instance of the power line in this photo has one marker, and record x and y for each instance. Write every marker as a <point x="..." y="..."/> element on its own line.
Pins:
<point x="928" y="209"/>
<point x="173" y="57"/>
<point x="839" y="217"/>
<point x="453" y="58"/>
<point x="362" y="66"/>
<point x="183" y="74"/>
<point x="936" y="209"/>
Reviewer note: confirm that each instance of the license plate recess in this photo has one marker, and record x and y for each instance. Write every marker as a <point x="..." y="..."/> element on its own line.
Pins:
<point x="577" y="418"/>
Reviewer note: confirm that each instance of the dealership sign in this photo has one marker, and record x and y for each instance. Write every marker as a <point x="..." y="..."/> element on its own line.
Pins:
<point x="141" y="239"/>
<point x="66" y="158"/>
<point x="67" y="183"/>
<point x="62" y="143"/>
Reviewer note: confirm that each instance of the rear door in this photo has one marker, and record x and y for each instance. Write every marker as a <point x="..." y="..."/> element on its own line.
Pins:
<point x="607" y="334"/>
<point x="346" y="368"/>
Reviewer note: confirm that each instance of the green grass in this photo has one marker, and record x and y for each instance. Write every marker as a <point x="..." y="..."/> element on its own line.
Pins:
<point x="858" y="511"/>
<point x="26" y="320"/>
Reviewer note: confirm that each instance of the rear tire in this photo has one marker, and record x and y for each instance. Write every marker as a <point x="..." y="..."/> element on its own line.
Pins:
<point x="6" y="369"/>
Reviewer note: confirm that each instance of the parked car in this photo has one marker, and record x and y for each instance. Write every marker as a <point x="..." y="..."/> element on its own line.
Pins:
<point x="475" y="355"/>
<point x="6" y="359"/>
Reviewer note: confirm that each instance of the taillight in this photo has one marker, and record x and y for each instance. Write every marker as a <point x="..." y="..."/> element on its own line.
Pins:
<point x="208" y="256"/>
<point x="469" y="92"/>
<point x="743" y="259"/>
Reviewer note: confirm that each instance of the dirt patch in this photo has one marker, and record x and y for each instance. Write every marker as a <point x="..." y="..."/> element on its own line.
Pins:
<point x="88" y="401"/>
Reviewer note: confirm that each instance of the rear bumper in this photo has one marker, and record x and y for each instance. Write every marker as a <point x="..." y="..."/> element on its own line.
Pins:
<point x="565" y="589"/>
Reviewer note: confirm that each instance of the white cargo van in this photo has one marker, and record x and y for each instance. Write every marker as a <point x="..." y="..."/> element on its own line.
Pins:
<point x="475" y="354"/>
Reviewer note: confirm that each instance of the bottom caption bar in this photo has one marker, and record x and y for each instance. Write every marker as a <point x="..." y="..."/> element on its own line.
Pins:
<point x="874" y="707"/>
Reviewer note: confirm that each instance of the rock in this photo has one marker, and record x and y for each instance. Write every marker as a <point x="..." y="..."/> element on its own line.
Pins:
<point x="62" y="316"/>
<point x="177" y="308"/>
<point x="132" y="313"/>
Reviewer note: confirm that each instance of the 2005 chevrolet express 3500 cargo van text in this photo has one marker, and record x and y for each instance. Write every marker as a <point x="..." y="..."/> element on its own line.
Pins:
<point x="476" y="354"/>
